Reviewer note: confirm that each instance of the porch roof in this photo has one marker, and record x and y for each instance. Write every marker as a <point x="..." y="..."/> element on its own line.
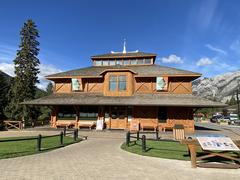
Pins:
<point x="184" y="100"/>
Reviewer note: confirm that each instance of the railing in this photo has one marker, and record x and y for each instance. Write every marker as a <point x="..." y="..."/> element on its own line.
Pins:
<point x="40" y="137"/>
<point x="143" y="139"/>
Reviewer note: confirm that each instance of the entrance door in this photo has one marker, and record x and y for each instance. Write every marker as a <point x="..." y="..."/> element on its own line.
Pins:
<point x="118" y="117"/>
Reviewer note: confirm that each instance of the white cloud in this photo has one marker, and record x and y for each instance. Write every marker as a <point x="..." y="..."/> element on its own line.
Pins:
<point x="7" y="53"/>
<point x="218" y="50"/>
<point x="172" y="59"/>
<point x="45" y="69"/>
<point x="204" y="61"/>
<point x="7" y="68"/>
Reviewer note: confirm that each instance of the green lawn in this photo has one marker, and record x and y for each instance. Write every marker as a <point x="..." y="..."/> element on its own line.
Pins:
<point x="27" y="147"/>
<point x="169" y="150"/>
<point x="162" y="149"/>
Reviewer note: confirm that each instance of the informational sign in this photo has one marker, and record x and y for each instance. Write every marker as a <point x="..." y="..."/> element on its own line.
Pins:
<point x="160" y="84"/>
<point x="99" y="125"/>
<point x="134" y="125"/>
<point x="217" y="143"/>
<point x="76" y="85"/>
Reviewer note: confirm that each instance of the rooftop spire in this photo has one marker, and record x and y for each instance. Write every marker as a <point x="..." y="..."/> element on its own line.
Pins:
<point x="124" y="46"/>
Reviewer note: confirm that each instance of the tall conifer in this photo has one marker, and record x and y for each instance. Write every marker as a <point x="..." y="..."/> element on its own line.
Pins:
<point x="26" y="64"/>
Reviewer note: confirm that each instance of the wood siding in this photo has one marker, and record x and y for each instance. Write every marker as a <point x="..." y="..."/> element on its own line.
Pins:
<point x="175" y="85"/>
<point x="63" y="86"/>
<point x="92" y="85"/>
<point x="129" y="81"/>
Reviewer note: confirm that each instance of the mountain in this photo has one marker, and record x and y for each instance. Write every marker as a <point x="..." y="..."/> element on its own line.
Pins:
<point x="219" y="88"/>
<point x="6" y="76"/>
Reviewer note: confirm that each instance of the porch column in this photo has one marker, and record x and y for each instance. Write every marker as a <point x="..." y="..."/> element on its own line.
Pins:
<point x="54" y="116"/>
<point x="77" y="115"/>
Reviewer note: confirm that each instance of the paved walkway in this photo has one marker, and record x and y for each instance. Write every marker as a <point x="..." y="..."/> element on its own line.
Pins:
<point x="100" y="157"/>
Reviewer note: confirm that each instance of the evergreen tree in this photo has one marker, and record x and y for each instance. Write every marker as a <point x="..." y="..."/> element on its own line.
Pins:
<point x="26" y="64"/>
<point x="4" y="86"/>
<point x="232" y="101"/>
<point x="49" y="88"/>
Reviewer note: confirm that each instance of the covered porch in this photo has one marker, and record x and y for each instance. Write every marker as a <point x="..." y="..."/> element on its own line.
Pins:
<point x="144" y="111"/>
<point x="122" y="117"/>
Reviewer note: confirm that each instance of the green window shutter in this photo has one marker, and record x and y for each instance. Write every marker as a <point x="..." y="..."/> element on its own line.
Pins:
<point x="160" y="84"/>
<point x="75" y="84"/>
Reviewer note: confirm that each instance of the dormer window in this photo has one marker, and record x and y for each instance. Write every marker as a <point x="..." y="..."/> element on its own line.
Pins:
<point x="117" y="83"/>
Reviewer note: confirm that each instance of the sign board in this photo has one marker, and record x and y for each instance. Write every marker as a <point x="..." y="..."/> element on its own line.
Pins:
<point x="160" y="84"/>
<point x="134" y="125"/>
<point x="99" y="125"/>
<point x="76" y="84"/>
<point x="212" y="143"/>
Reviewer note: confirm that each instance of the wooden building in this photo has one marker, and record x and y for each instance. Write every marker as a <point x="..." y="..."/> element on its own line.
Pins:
<point x="124" y="89"/>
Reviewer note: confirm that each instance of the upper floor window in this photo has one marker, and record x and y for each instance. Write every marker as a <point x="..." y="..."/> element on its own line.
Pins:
<point x="113" y="83"/>
<point x="98" y="63"/>
<point x="122" y="84"/>
<point x="126" y="62"/>
<point x="119" y="62"/>
<point x="147" y="61"/>
<point x="117" y="83"/>
<point x="105" y="63"/>
<point x="140" y="61"/>
<point x="112" y="62"/>
<point x="133" y="62"/>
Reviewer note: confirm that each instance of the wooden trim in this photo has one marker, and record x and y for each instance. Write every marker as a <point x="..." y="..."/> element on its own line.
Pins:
<point x="171" y="75"/>
<point x="118" y="70"/>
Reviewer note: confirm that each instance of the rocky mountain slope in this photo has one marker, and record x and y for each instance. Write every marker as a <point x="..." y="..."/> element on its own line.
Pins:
<point x="219" y="88"/>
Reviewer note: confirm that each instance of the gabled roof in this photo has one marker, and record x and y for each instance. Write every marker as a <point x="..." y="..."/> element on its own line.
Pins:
<point x="141" y="71"/>
<point x="123" y="55"/>
<point x="183" y="100"/>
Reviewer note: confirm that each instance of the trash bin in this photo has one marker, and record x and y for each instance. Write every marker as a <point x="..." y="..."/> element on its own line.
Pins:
<point x="178" y="132"/>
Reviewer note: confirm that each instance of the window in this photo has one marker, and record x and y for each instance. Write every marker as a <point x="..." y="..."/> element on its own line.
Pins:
<point x="117" y="83"/>
<point x="66" y="113"/>
<point x="105" y="63"/>
<point x="147" y="61"/>
<point x="113" y="83"/>
<point x="88" y="113"/>
<point x="112" y="62"/>
<point x="162" y="115"/>
<point x="119" y="62"/>
<point x="98" y="63"/>
<point x="126" y="62"/>
<point x="133" y="62"/>
<point x="122" y="83"/>
<point x="140" y="61"/>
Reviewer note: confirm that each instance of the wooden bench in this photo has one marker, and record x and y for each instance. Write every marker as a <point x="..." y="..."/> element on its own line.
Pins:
<point x="65" y="123"/>
<point x="13" y="124"/>
<point x="145" y="124"/>
<point x="89" y="124"/>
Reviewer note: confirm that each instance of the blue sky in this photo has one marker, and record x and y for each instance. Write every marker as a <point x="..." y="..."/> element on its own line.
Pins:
<point x="202" y="36"/>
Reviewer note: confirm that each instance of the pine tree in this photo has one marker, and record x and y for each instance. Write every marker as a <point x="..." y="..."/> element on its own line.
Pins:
<point x="232" y="101"/>
<point x="49" y="88"/>
<point x="4" y="86"/>
<point x="26" y="64"/>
